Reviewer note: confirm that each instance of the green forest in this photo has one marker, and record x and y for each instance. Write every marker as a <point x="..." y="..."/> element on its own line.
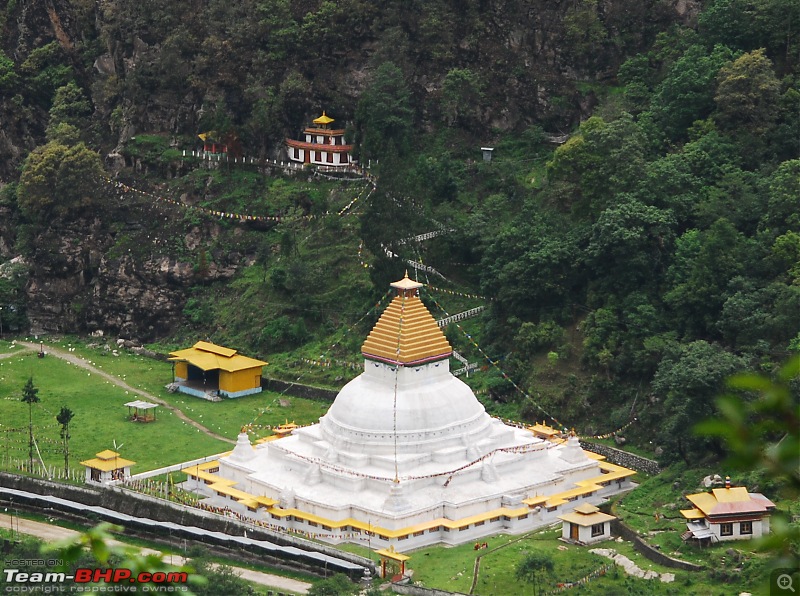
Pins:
<point x="635" y="237"/>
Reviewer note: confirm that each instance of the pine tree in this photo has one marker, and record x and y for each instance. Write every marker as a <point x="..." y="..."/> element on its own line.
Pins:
<point x="30" y="397"/>
<point x="64" y="417"/>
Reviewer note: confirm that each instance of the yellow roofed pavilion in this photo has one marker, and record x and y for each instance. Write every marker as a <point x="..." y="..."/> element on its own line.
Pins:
<point x="206" y="369"/>
<point x="107" y="466"/>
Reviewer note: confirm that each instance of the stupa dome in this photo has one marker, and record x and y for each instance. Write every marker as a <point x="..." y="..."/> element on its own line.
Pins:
<point x="406" y="399"/>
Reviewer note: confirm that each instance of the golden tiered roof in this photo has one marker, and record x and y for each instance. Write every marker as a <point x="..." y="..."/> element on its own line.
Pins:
<point x="324" y="119"/>
<point x="406" y="333"/>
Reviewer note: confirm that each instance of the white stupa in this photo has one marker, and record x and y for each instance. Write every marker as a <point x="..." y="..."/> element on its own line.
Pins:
<point x="408" y="454"/>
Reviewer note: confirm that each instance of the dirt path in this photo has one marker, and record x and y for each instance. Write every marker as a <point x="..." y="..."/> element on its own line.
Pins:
<point x="78" y="361"/>
<point x="12" y="354"/>
<point x="50" y="533"/>
<point x="632" y="568"/>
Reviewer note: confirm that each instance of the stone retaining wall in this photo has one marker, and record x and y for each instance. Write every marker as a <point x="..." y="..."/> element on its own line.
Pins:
<point x="298" y="390"/>
<point x="412" y="590"/>
<point x="623" y="458"/>
<point x="620" y="529"/>
<point x="139" y="505"/>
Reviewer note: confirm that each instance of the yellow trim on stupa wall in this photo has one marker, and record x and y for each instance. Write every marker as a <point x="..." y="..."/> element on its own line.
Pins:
<point x="583" y="488"/>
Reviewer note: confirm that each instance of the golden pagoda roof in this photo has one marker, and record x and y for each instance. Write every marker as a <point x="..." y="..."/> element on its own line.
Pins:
<point x="586" y="519"/>
<point x="406" y="283"/>
<point x="107" y="461"/>
<point x="207" y="356"/>
<point x="729" y="501"/>
<point x="406" y="333"/>
<point x="324" y="119"/>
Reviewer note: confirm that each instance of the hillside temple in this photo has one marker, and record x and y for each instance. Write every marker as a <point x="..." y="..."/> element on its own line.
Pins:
<point x="408" y="455"/>
<point x="322" y="145"/>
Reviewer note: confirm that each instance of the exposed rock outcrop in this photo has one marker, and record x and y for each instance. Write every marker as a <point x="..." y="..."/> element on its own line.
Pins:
<point x="85" y="277"/>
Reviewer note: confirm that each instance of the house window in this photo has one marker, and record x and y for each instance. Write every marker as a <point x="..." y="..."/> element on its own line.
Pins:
<point x="726" y="529"/>
<point x="597" y="530"/>
<point x="746" y="528"/>
<point x="329" y="157"/>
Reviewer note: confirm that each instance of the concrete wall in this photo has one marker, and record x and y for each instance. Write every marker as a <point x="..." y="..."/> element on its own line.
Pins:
<point x="623" y="458"/>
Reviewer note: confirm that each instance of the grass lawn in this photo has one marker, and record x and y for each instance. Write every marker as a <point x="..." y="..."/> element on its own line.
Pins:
<point x="227" y="417"/>
<point x="100" y="416"/>
<point x="452" y="568"/>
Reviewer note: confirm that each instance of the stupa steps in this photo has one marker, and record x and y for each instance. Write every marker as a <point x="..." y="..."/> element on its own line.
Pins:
<point x="421" y="338"/>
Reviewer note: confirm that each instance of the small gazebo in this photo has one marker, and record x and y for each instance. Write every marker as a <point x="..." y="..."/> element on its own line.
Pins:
<point x="107" y="466"/>
<point x="141" y="411"/>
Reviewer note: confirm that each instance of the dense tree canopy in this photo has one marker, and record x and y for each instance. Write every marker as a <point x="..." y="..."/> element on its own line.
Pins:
<point x="59" y="180"/>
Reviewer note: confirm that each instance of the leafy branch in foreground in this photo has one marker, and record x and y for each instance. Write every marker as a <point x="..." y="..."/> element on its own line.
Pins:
<point x="764" y="433"/>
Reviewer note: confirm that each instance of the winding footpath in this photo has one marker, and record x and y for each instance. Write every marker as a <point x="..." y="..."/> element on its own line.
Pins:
<point x="78" y="361"/>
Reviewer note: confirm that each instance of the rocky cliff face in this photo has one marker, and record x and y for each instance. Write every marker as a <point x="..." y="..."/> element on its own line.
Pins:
<point x="86" y="276"/>
<point x="261" y="67"/>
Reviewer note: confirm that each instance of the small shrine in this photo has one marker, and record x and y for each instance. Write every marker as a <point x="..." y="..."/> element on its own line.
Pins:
<point x="209" y="371"/>
<point x="392" y="563"/>
<point x="730" y="513"/>
<point x="212" y="143"/>
<point x="322" y="145"/>
<point x="107" y="466"/>
<point x="586" y="524"/>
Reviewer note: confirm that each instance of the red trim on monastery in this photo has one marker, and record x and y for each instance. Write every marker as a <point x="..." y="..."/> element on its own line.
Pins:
<point x="319" y="146"/>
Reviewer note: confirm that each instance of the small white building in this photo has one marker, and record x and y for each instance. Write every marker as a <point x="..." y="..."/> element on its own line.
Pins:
<point x="586" y="524"/>
<point x="107" y="466"/>
<point x="322" y="145"/>
<point x="729" y="513"/>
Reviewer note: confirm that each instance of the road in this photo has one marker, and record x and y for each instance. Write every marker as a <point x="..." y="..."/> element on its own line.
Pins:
<point x="51" y="533"/>
<point x="79" y="361"/>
